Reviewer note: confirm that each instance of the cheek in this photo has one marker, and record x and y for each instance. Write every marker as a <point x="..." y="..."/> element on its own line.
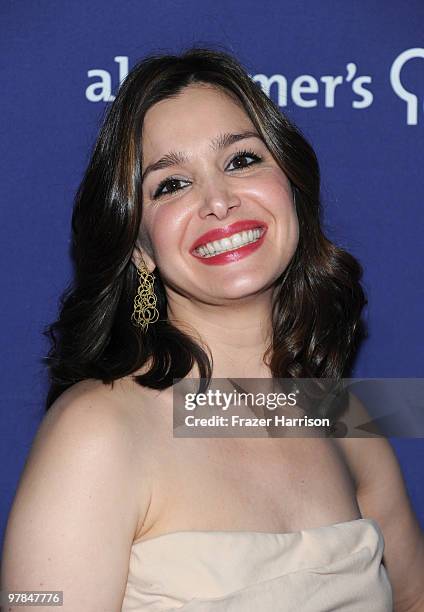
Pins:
<point x="289" y="225"/>
<point x="272" y="188"/>
<point x="279" y="190"/>
<point x="278" y="198"/>
<point x="164" y="227"/>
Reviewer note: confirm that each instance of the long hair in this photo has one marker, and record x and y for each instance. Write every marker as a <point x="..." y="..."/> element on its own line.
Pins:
<point x="316" y="311"/>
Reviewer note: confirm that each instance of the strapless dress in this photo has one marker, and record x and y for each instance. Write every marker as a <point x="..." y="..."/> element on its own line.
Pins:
<point x="335" y="568"/>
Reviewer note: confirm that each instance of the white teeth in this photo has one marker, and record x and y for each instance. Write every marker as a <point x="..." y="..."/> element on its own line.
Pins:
<point x="230" y="243"/>
<point x="236" y="240"/>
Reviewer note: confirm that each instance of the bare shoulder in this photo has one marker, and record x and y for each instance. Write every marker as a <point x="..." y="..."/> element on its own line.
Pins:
<point x="370" y="457"/>
<point x="112" y="419"/>
<point x="90" y="398"/>
<point x="366" y="453"/>
<point x="86" y="416"/>
<point x="87" y="397"/>
<point x="80" y="500"/>
<point x="98" y="410"/>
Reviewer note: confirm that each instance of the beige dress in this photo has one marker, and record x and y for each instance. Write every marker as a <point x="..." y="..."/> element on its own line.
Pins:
<point x="332" y="568"/>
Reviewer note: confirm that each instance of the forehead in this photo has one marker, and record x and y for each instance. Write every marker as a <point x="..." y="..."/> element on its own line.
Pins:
<point x="198" y="113"/>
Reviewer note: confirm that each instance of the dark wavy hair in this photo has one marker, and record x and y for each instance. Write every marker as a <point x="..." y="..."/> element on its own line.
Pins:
<point x="318" y="300"/>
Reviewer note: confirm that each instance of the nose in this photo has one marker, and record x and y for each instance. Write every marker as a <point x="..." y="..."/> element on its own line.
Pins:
<point x="218" y="201"/>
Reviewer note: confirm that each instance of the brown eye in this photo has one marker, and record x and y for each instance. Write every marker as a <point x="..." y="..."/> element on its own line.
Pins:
<point x="170" y="184"/>
<point x="240" y="155"/>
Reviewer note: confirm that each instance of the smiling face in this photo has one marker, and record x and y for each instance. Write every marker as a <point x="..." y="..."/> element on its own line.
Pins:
<point x="216" y="180"/>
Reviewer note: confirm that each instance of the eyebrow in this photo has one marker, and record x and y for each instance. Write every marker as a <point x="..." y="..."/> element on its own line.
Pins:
<point x="173" y="158"/>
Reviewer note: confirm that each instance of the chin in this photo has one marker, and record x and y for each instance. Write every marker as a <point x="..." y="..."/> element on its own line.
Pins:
<point x="243" y="288"/>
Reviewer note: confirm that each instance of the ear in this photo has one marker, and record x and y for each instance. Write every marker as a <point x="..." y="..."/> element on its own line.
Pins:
<point x="140" y="253"/>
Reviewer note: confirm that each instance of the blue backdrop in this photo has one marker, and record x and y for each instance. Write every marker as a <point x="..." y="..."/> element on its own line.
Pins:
<point x="351" y="75"/>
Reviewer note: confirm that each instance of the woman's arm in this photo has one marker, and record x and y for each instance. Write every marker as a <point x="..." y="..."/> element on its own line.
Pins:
<point x="382" y="495"/>
<point x="77" y="507"/>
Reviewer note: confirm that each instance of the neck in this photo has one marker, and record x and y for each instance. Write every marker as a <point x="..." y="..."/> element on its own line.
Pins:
<point x="237" y="334"/>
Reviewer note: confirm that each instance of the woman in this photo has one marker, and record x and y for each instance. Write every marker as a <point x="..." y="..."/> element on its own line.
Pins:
<point x="114" y="510"/>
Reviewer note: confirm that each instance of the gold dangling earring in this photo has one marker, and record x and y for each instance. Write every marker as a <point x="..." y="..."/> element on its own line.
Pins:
<point x="145" y="310"/>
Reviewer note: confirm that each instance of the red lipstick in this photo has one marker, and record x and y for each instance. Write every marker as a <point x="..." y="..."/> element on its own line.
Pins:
<point x="227" y="230"/>
<point x="223" y="232"/>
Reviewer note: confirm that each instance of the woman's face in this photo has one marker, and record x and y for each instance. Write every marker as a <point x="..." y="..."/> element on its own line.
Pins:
<point x="211" y="181"/>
